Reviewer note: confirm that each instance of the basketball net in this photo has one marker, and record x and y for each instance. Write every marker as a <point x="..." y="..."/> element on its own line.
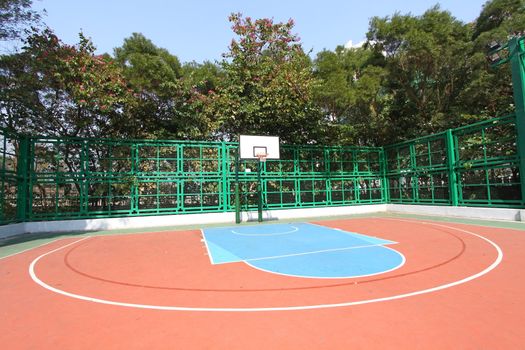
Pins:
<point x="262" y="156"/>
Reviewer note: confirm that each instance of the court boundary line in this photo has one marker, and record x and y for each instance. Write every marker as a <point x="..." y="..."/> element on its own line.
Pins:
<point x="35" y="247"/>
<point x="267" y="234"/>
<point x="207" y="248"/>
<point x="494" y="223"/>
<point x="483" y="272"/>
<point x="361" y="237"/>
<point x="403" y="261"/>
<point x="349" y="233"/>
<point x="315" y="252"/>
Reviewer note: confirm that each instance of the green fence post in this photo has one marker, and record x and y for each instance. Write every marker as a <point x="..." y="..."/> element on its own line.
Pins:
<point x="259" y="192"/>
<point x="84" y="179"/>
<point x="327" y="176"/>
<point x="383" y="166"/>
<point x="517" y="61"/>
<point x="224" y="160"/>
<point x="179" y="178"/>
<point x="415" y="173"/>
<point x="237" y="195"/>
<point x="451" y="161"/>
<point x="134" y="191"/>
<point x="22" y="171"/>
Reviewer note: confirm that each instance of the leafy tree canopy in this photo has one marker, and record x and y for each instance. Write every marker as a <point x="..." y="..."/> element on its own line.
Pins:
<point x="145" y="65"/>
<point x="427" y="62"/>
<point x="163" y="105"/>
<point x="351" y="94"/>
<point x="15" y="15"/>
<point x="203" y="77"/>
<point x="415" y="75"/>
<point x="268" y="84"/>
<point x="501" y="16"/>
<point x="51" y="88"/>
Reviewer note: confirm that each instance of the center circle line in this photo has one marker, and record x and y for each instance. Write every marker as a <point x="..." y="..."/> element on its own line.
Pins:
<point x="295" y="229"/>
<point x="485" y="271"/>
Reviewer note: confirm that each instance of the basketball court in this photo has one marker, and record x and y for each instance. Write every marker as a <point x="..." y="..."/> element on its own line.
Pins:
<point x="374" y="282"/>
<point x="171" y="244"/>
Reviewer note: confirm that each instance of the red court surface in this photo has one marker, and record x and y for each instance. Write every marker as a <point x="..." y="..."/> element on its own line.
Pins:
<point x="461" y="287"/>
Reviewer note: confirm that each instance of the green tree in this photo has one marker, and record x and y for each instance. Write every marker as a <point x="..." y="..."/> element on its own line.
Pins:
<point x="51" y="88"/>
<point x="15" y="15"/>
<point x="351" y="94"/>
<point x="162" y="106"/>
<point x="502" y="17"/>
<point x="205" y="77"/>
<point x="146" y="65"/>
<point x="268" y="84"/>
<point x="427" y="60"/>
<point x="489" y="92"/>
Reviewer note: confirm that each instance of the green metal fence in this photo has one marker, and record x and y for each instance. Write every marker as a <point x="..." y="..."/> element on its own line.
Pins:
<point x="76" y="178"/>
<point x="9" y="179"/>
<point x="475" y="165"/>
<point x="68" y="178"/>
<point x="418" y="171"/>
<point x="308" y="176"/>
<point x="487" y="164"/>
<point x="107" y="178"/>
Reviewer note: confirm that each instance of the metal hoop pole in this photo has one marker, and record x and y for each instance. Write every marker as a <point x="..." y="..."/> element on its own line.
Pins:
<point x="237" y="199"/>
<point x="259" y="191"/>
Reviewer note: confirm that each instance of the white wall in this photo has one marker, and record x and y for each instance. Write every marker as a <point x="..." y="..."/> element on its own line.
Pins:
<point x="461" y="212"/>
<point x="229" y="218"/>
<point x="314" y="212"/>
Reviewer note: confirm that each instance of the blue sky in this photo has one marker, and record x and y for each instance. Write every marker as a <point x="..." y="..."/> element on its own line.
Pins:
<point x="198" y="30"/>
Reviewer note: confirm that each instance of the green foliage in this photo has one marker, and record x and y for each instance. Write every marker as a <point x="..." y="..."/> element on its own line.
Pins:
<point x="502" y="17"/>
<point x="55" y="89"/>
<point x="14" y="16"/>
<point x="205" y="77"/>
<point x="489" y="91"/>
<point x="415" y="75"/>
<point x="351" y="94"/>
<point x="145" y="65"/>
<point x="427" y="62"/>
<point x="161" y="107"/>
<point x="418" y="75"/>
<point x="268" y="84"/>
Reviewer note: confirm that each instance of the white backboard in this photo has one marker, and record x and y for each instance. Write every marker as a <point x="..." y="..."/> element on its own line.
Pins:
<point x="250" y="146"/>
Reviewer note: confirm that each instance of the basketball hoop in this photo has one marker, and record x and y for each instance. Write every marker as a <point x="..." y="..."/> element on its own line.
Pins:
<point x="258" y="147"/>
<point x="262" y="157"/>
<point x="252" y="147"/>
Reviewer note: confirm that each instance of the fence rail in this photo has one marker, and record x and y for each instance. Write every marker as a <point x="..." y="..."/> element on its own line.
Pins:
<point x="475" y="165"/>
<point x="10" y="181"/>
<point x="44" y="178"/>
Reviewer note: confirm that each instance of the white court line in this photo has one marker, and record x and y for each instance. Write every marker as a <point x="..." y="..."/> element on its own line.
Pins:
<point x="312" y="252"/>
<point x="485" y="271"/>
<point x="296" y="254"/>
<point x="35" y="247"/>
<point x="295" y="229"/>
<point x="353" y="234"/>
<point x="207" y="248"/>
<point x="67" y="237"/>
<point x="403" y="260"/>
